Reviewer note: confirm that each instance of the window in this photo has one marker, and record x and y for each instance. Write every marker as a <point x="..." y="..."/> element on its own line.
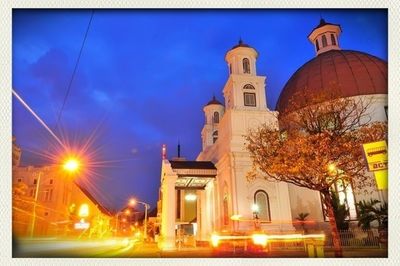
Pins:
<point x="215" y="136"/>
<point x="249" y="99"/>
<point x="248" y="87"/>
<point x="324" y="42"/>
<point x="35" y="181"/>
<point x="46" y="214"/>
<point x="178" y="204"/>
<point x="51" y="181"/>
<point x="230" y="68"/>
<point x="216" y="117"/>
<point x="317" y="45"/>
<point x="333" y="40"/>
<point x="261" y="199"/>
<point x="19" y="180"/>
<point x="246" y="66"/>
<point x="48" y="194"/>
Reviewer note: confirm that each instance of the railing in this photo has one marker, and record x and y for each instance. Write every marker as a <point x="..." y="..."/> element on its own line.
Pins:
<point x="356" y="238"/>
<point x="352" y="238"/>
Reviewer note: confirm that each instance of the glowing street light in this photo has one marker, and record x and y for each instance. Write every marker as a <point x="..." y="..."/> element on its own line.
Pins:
<point x="255" y="210"/>
<point x="332" y="167"/>
<point x="71" y="165"/>
<point x="132" y="202"/>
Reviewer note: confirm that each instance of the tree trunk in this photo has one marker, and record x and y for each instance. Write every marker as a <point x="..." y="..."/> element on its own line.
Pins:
<point x="332" y="222"/>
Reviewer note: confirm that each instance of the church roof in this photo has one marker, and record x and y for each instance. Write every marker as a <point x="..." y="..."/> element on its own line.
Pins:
<point x="192" y="165"/>
<point x="214" y="101"/>
<point x="354" y="73"/>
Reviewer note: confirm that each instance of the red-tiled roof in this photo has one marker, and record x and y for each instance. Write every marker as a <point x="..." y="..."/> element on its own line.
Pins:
<point x="354" y="73"/>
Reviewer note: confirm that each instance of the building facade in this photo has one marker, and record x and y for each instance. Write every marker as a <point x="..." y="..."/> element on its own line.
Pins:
<point x="225" y="200"/>
<point x="47" y="202"/>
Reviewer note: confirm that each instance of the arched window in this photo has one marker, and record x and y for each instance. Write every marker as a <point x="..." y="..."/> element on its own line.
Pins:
<point x="324" y="42"/>
<point x="261" y="199"/>
<point x="216" y="117"/>
<point x="333" y="40"/>
<point x="317" y="45"/>
<point x="246" y="66"/>
<point x="248" y="87"/>
<point x="215" y="136"/>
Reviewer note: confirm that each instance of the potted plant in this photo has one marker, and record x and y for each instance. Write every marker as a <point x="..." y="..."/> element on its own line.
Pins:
<point x="302" y="217"/>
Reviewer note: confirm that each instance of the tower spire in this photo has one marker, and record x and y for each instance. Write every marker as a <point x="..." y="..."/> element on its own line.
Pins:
<point x="179" y="149"/>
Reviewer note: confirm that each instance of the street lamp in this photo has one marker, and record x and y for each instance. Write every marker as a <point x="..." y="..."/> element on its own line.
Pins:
<point x="35" y="203"/>
<point x="132" y="202"/>
<point x="71" y="164"/>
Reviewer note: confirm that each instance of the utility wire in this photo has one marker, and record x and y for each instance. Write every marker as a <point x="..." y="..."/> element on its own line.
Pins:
<point x="75" y="68"/>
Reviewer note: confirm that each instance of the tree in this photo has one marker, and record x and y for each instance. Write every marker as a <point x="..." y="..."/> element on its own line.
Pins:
<point x="370" y="211"/>
<point x="318" y="142"/>
<point x="341" y="212"/>
<point x="302" y="217"/>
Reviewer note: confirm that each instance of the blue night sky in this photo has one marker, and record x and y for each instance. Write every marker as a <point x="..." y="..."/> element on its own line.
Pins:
<point x="145" y="75"/>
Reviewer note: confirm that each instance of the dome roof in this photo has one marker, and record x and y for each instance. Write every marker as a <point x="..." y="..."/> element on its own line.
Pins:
<point x="214" y="101"/>
<point x="355" y="73"/>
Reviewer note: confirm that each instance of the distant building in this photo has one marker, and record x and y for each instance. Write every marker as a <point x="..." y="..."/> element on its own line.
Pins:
<point x="200" y="197"/>
<point x="58" y="205"/>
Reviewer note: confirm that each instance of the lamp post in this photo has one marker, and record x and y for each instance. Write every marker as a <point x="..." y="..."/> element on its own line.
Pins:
<point x="34" y="205"/>
<point x="146" y="207"/>
<point x="255" y="210"/>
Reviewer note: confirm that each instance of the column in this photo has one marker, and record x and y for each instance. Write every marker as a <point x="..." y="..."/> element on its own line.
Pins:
<point x="285" y="210"/>
<point x="204" y="214"/>
<point x="168" y="214"/>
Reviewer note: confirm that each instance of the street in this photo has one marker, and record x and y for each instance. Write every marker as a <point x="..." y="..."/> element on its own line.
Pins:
<point x="124" y="248"/>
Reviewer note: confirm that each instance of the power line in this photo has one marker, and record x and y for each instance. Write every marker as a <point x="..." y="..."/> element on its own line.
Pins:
<point x="75" y="68"/>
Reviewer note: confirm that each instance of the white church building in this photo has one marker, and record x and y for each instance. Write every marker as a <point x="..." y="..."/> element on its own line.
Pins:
<point x="212" y="194"/>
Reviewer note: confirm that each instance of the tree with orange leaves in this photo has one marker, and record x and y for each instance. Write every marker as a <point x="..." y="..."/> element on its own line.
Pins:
<point x="318" y="143"/>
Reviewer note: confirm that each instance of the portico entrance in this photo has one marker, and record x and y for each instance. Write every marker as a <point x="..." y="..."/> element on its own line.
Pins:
<point x="187" y="198"/>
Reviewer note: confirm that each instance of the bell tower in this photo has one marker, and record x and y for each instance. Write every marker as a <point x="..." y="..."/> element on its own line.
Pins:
<point x="213" y="111"/>
<point x="244" y="89"/>
<point x="325" y="37"/>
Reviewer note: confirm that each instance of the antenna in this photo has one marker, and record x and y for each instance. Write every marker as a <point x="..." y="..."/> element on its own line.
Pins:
<point x="179" y="149"/>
